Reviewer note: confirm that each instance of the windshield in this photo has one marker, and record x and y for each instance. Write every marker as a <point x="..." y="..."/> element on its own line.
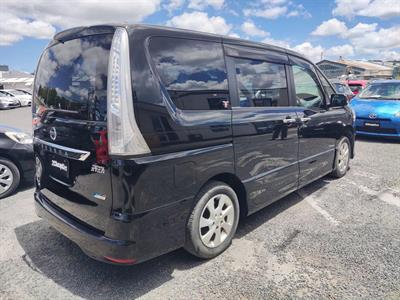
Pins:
<point x="6" y="94"/>
<point x="17" y="93"/>
<point x="382" y="90"/>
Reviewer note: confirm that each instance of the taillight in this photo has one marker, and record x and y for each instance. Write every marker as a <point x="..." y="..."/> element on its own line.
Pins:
<point x="124" y="136"/>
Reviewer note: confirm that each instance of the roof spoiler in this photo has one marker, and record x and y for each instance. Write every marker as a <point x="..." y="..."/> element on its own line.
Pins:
<point x="78" y="32"/>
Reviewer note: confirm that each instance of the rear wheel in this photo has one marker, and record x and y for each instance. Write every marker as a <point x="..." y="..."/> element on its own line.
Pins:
<point x="213" y="221"/>
<point x="342" y="159"/>
<point x="9" y="177"/>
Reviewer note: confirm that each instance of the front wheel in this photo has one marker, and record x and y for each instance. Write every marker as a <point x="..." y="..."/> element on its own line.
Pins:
<point x="9" y="177"/>
<point x="213" y="221"/>
<point x="342" y="157"/>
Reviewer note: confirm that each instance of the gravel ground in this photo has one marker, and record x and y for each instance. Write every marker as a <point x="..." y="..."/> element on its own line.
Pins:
<point x="334" y="239"/>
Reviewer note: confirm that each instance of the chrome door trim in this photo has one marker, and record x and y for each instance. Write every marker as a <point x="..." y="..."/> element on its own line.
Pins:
<point x="62" y="150"/>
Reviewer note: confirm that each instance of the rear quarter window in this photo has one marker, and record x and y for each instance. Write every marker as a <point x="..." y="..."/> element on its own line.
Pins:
<point x="192" y="71"/>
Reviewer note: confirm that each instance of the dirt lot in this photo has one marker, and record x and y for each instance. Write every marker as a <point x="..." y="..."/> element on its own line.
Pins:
<point x="335" y="239"/>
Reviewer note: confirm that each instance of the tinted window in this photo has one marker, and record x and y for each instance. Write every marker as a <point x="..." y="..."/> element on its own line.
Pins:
<point x="327" y="87"/>
<point x="72" y="77"/>
<point x="308" y="93"/>
<point x="261" y="83"/>
<point x="355" y="87"/>
<point x="192" y="71"/>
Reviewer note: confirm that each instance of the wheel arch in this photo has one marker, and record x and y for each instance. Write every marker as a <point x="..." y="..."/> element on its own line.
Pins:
<point x="14" y="161"/>
<point x="234" y="182"/>
<point x="349" y="132"/>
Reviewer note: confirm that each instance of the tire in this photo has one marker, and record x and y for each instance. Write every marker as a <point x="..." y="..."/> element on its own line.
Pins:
<point x="217" y="232"/>
<point x="9" y="177"/>
<point x="342" y="157"/>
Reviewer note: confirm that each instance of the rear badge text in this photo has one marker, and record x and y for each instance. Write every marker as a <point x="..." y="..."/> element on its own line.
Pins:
<point x="98" y="169"/>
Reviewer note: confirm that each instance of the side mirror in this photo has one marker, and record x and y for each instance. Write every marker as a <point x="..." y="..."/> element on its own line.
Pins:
<point x="338" y="100"/>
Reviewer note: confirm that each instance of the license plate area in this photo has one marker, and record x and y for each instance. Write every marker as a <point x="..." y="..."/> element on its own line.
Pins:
<point x="372" y="124"/>
<point x="58" y="166"/>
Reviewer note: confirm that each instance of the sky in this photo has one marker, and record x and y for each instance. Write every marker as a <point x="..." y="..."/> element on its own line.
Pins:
<point x="328" y="29"/>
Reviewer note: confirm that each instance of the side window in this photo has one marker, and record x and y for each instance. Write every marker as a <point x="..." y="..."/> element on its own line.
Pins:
<point x="261" y="83"/>
<point x="308" y="92"/>
<point x="192" y="71"/>
<point x="327" y="87"/>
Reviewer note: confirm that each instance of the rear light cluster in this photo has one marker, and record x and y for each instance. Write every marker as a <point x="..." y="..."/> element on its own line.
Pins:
<point x="124" y="135"/>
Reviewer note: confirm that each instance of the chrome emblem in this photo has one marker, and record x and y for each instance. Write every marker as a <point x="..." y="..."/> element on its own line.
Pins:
<point x="372" y="116"/>
<point x="53" y="133"/>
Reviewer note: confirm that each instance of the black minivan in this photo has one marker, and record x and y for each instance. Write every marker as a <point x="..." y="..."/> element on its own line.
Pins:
<point x="148" y="138"/>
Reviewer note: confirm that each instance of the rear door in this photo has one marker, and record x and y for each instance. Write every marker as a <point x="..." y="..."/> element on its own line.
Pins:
<point x="264" y="126"/>
<point x="70" y="129"/>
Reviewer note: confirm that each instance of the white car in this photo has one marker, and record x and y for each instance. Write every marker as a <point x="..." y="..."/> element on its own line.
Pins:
<point x="24" y="98"/>
<point x="7" y="101"/>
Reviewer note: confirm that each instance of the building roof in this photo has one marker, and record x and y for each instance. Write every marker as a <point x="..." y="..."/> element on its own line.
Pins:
<point x="16" y="77"/>
<point x="364" y="65"/>
<point x="358" y="64"/>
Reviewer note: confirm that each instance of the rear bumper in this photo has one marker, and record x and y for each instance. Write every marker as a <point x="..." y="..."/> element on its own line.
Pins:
<point x="90" y="240"/>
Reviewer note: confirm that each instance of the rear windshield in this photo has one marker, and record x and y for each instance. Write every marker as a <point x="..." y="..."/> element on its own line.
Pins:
<point x="71" y="79"/>
<point x="355" y="87"/>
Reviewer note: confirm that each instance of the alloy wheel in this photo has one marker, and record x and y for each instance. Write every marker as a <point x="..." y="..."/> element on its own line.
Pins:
<point x="6" y="178"/>
<point x="343" y="157"/>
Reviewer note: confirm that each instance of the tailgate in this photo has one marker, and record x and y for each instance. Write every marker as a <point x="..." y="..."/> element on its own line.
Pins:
<point x="70" y="128"/>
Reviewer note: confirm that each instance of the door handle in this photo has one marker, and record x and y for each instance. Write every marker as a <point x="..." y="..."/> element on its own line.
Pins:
<point x="289" y="121"/>
<point x="304" y="120"/>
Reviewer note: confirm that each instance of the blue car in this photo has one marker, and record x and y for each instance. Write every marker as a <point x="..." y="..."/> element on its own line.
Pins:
<point x="377" y="109"/>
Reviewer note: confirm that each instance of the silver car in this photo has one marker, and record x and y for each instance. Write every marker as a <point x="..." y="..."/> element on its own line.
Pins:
<point x="24" y="98"/>
<point x="7" y="101"/>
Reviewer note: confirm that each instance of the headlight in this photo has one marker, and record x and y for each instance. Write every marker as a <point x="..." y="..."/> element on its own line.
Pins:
<point x="397" y="114"/>
<point x="19" y="137"/>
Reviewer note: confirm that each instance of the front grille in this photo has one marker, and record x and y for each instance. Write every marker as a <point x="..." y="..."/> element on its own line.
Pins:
<point x="377" y="119"/>
<point x="377" y="129"/>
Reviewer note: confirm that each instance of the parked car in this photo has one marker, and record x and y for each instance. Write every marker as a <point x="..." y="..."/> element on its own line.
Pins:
<point x="16" y="159"/>
<point x="377" y="109"/>
<point x="24" y="98"/>
<point x="357" y="86"/>
<point x="151" y="150"/>
<point x="7" y="101"/>
<point x="341" y="87"/>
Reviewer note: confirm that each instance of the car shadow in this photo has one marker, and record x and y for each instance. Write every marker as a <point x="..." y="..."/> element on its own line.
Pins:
<point x="377" y="139"/>
<point x="56" y="257"/>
